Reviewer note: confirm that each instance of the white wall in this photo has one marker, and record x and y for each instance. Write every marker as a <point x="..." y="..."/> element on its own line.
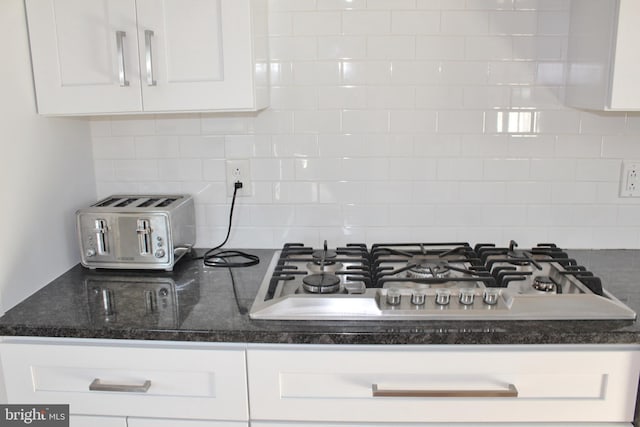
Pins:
<point x="397" y="120"/>
<point x="46" y="173"/>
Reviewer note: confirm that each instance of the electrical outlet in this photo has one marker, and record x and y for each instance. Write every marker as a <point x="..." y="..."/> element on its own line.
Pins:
<point x="239" y="171"/>
<point x="630" y="179"/>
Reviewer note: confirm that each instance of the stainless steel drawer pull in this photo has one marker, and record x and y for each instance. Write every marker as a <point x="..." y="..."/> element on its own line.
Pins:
<point x="96" y="385"/>
<point x="511" y="391"/>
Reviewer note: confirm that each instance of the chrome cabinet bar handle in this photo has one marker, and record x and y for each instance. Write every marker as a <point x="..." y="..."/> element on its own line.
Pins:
<point x="149" y="57"/>
<point x="511" y="391"/>
<point x="122" y="73"/>
<point x="96" y="385"/>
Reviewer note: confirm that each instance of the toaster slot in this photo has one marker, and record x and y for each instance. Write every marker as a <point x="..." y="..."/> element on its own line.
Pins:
<point x="126" y="202"/>
<point x="107" y="202"/>
<point x="102" y="240"/>
<point x="166" y="202"/>
<point x="148" y="203"/>
<point x="144" y="236"/>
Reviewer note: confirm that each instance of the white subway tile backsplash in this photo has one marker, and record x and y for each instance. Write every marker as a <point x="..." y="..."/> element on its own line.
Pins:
<point x="180" y="169"/>
<point x="456" y="22"/>
<point x="246" y="146"/>
<point x="311" y="169"/>
<point x="316" y="73"/>
<point x="359" y="121"/>
<point x="342" y="192"/>
<point x="268" y="216"/>
<point x="513" y="22"/>
<point x="574" y="192"/>
<point x="316" y="23"/>
<point x="507" y="169"/>
<point x="366" y="72"/>
<point x="460" y="169"/>
<point x="553" y="170"/>
<point x="364" y="169"/>
<point x="438" y="48"/>
<point x="341" y="4"/>
<point x="366" y="22"/>
<point x="469" y="121"/>
<point x="412" y="121"/>
<point x="391" y="47"/>
<point x="342" y="47"/>
<point x="528" y="193"/>
<point x="396" y="120"/>
<point x="342" y="97"/>
<point x="488" y="48"/>
<point x="201" y="147"/>
<point x="213" y="170"/>
<point x="136" y="170"/>
<point x="317" y="122"/>
<point x="178" y="125"/>
<point x="366" y="215"/>
<point x="113" y="148"/>
<point x="157" y="147"/>
<point x="415" y="22"/>
<point x="132" y="126"/>
<point x="318" y="216"/>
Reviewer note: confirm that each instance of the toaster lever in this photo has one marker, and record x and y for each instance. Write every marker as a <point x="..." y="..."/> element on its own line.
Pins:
<point x="102" y="245"/>
<point x="144" y="236"/>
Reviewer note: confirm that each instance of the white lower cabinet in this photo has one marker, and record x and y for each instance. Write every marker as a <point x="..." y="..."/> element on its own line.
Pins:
<point x="188" y="383"/>
<point x="356" y="385"/>
<point x="155" y="422"/>
<point x="92" y="421"/>
<point x="122" y="383"/>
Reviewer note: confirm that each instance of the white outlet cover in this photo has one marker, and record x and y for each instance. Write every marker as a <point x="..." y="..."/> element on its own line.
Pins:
<point x="239" y="169"/>
<point x="630" y="178"/>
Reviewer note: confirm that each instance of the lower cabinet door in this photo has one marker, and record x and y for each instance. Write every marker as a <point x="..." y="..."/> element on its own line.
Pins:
<point x="310" y="424"/>
<point x="444" y="384"/>
<point x="96" y="421"/>
<point x="129" y="379"/>
<point x="155" y="422"/>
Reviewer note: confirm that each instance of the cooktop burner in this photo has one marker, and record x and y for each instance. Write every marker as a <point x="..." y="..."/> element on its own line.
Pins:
<point x="414" y="281"/>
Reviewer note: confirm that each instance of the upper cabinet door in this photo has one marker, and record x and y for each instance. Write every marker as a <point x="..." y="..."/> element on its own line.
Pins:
<point x="196" y="54"/>
<point x="603" y="56"/>
<point x="124" y="56"/>
<point x="85" y="55"/>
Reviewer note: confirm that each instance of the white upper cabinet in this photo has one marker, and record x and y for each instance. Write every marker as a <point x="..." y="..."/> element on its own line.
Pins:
<point x="127" y="56"/>
<point x="603" y="57"/>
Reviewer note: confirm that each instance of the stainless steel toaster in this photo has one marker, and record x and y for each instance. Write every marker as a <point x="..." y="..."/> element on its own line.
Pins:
<point x="136" y="231"/>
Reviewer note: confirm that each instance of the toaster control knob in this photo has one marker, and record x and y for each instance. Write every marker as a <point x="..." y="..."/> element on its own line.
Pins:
<point x="90" y="252"/>
<point x="159" y="253"/>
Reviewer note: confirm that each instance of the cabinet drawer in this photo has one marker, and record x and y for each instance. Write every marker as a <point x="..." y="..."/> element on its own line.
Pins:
<point x="154" y="422"/>
<point x="441" y="384"/>
<point x="89" y="421"/>
<point x="184" y="381"/>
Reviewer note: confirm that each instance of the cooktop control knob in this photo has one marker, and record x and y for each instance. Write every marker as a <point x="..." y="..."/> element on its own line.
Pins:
<point x="418" y="297"/>
<point x="443" y="296"/>
<point x="393" y="296"/>
<point x="490" y="296"/>
<point x="467" y="296"/>
<point x="159" y="253"/>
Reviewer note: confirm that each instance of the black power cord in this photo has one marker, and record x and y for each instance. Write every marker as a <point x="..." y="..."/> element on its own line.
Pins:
<point x="217" y="258"/>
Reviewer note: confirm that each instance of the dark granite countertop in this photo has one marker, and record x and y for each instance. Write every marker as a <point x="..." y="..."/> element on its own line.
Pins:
<point x="200" y="303"/>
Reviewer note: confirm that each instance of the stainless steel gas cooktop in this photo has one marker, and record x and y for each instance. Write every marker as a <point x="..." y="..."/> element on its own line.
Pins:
<point x="416" y="281"/>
